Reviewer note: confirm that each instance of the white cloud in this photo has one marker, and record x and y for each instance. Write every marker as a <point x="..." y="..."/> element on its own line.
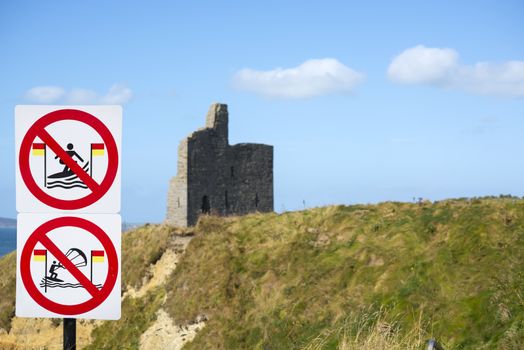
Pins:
<point x="81" y="96"/>
<point x="505" y="79"/>
<point x="117" y="94"/>
<point x="423" y="65"/>
<point x="441" y="67"/>
<point x="44" y="94"/>
<point x="312" y="78"/>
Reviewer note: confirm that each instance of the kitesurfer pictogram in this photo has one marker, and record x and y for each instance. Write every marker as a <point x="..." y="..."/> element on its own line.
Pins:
<point x="77" y="257"/>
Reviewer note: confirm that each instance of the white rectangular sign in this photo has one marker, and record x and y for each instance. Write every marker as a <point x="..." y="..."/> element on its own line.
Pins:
<point x="68" y="266"/>
<point x="68" y="159"/>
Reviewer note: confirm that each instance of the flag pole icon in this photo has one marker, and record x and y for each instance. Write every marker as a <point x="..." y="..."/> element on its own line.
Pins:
<point x="41" y="255"/>
<point x="39" y="149"/>
<point x="97" y="149"/>
<point x="97" y="256"/>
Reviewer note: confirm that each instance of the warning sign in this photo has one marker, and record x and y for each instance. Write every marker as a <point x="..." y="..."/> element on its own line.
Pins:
<point x="68" y="266"/>
<point x="68" y="159"/>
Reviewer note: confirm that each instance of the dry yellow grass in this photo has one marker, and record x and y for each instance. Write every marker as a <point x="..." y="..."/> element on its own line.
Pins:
<point x="374" y="330"/>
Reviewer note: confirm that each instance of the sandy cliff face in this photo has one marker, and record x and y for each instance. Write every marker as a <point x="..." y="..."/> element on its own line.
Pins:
<point x="42" y="333"/>
<point x="165" y="334"/>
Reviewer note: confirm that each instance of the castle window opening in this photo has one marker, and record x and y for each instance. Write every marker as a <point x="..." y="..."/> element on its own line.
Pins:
<point x="256" y="200"/>
<point x="206" y="206"/>
<point x="232" y="172"/>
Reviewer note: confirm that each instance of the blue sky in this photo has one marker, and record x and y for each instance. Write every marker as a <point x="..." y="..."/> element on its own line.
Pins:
<point x="363" y="101"/>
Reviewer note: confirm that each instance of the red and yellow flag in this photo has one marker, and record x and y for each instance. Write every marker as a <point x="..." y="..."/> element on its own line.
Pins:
<point x="39" y="254"/>
<point x="97" y="255"/>
<point x="97" y="149"/>
<point x="38" y="149"/>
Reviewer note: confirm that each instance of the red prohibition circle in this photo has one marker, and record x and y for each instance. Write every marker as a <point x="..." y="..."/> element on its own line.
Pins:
<point x="53" y="306"/>
<point x="112" y="155"/>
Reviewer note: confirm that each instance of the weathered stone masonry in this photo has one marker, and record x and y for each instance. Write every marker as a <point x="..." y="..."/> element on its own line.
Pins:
<point x="214" y="177"/>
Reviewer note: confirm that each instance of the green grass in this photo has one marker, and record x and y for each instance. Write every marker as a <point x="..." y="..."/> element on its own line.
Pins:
<point x="339" y="277"/>
<point x="7" y="289"/>
<point x="281" y="281"/>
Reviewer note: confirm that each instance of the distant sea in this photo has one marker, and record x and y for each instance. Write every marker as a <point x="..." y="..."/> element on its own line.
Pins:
<point x="7" y="240"/>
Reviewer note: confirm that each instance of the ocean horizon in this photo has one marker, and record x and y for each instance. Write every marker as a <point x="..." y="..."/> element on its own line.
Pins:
<point x="7" y="240"/>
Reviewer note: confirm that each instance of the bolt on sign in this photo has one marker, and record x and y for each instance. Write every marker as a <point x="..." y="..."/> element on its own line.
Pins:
<point x="68" y="159"/>
<point x="68" y="199"/>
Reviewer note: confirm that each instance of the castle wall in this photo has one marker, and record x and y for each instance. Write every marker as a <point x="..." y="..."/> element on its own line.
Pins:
<point x="251" y="184"/>
<point x="177" y="193"/>
<point x="216" y="178"/>
<point x="207" y="158"/>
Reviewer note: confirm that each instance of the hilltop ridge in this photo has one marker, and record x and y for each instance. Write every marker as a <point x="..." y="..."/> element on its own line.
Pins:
<point x="338" y="277"/>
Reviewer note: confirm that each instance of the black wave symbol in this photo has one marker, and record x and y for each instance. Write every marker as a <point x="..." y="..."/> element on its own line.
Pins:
<point x="69" y="182"/>
<point x="65" y="285"/>
<point x="67" y="185"/>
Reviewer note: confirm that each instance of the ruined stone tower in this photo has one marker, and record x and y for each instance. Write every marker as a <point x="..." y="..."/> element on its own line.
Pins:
<point x="216" y="178"/>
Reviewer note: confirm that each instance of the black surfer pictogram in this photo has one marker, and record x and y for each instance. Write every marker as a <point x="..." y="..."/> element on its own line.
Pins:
<point x="52" y="274"/>
<point x="72" y="154"/>
<point x="67" y="178"/>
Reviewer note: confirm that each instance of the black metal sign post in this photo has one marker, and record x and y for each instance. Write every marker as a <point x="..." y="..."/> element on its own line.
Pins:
<point x="69" y="333"/>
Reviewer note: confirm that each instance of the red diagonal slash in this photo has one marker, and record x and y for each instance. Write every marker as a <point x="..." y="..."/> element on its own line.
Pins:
<point x="55" y="147"/>
<point x="64" y="260"/>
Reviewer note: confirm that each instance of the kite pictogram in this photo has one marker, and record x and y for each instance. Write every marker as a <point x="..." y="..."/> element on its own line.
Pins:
<point x="73" y="261"/>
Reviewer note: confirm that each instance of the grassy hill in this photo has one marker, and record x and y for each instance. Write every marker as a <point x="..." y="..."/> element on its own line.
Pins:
<point x="390" y="275"/>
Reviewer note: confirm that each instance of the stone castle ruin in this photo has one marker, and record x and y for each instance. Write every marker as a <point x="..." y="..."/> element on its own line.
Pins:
<point x="214" y="177"/>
